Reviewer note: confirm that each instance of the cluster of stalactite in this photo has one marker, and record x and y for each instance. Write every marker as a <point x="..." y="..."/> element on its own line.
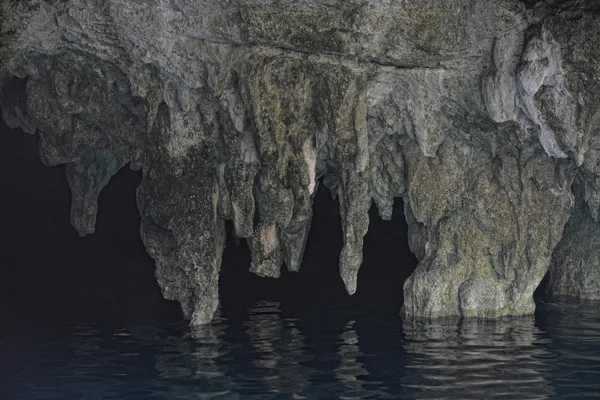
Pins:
<point x="483" y="118"/>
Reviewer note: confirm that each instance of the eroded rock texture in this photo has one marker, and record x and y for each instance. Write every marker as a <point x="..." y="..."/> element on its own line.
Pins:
<point x="479" y="114"/>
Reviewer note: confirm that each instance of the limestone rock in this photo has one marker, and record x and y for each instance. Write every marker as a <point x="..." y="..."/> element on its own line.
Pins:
<point x="575" y="269"/>
<point x="480" y="115"/>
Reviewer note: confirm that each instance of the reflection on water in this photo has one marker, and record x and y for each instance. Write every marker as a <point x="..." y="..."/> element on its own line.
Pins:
<point x="189" y="364"/>
<point x="351" y="369"/>
<point x="504" y="359"/>
<point x="280" y="350"/>
<point x="270" y="356"/>
<point x="575" y="346"/>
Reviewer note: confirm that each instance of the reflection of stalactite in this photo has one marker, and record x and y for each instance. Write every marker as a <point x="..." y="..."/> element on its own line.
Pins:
<point x="451" y="358"/>
<point x="281" y="350"/>
<point x="194" y="363"/>
<point x="350" y="370"/>
<point x="264" y="328"/>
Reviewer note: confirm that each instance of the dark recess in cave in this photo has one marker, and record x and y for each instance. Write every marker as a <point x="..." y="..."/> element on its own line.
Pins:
<point x="318" y="288"/>
<point x="540" y="291"/>
<point x="45" y="266"/>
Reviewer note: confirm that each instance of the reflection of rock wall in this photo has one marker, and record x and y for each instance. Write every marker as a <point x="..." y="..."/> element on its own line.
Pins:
<point x="574" y="329"/>
<point x="504" y="358"/>
<point x="479" y="115"/>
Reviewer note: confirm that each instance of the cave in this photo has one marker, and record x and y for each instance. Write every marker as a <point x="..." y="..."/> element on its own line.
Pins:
<point x="47" y="268"/>
<point x="108" y="276"/>
<point x="229" y="198"/>
<point x="317" y="289"/>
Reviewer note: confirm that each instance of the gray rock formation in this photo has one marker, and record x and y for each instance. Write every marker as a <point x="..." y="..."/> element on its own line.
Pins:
<point x="575" y="267"/>
<point x="479" y="114"/>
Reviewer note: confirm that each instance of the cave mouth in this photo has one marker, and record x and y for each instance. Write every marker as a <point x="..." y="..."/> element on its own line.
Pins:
<point x="47" y="269"/>
<point x="318" y="288"/>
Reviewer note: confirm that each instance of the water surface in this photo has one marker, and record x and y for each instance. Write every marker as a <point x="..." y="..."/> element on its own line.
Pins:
<point x="272" y="354"/>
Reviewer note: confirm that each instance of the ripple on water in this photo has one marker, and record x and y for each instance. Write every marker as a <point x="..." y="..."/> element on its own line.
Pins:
<point x="554" y="355"/>
<point x="503" y="359"/>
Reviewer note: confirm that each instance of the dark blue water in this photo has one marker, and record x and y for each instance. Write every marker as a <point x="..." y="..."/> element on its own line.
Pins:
<point x="267" y="354"/>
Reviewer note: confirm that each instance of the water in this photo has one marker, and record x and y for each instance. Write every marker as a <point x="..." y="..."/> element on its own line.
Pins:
<point x="268" y="353"/>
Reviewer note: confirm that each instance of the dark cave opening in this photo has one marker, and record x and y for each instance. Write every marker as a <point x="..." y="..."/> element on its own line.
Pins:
<point x="317" y="287"/>
<point x="45" y="266"/>
<point x="540" y="291"/>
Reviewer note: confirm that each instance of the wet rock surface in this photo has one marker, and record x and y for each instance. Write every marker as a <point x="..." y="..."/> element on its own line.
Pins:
<point x="480" y="116"/>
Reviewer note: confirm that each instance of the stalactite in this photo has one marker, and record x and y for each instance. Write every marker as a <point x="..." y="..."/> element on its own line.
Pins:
<point x="480" y="120"/>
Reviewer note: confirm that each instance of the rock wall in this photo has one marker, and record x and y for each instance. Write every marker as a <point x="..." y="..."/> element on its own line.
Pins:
<point x="480" y="115"/>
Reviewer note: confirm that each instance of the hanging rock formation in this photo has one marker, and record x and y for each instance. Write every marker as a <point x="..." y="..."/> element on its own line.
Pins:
<point x="480" y="115"/>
